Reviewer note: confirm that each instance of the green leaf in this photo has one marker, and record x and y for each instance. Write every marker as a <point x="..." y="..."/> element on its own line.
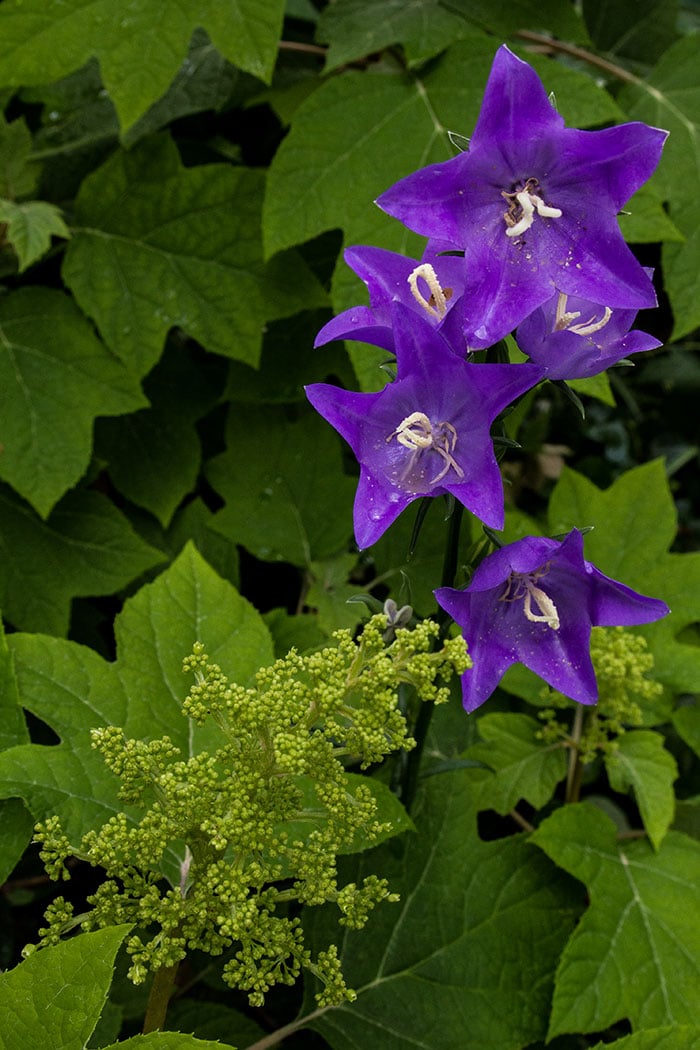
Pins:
<point x="687" y="722"/>
<point x="561" y="20"/>
<point x="154" y="455"/>
<point x="645" y="220"/>
<point x="18" y="172"/>
<point x="16" y="830"/>
<point x="634" y="524"/>
<point x="166" y="1041"/>
<point x="54" y="998"/>
<point x="330" y="590"/>
<point x="139" y="50"/>
<point x="676" y="1037"/>
<point x="359" y="133"/>
<point x="157" y="244"/>
<point x="30" y="226"/>
<point x="637" y="30"/>
<point x="641" y="762"/>
<point x="210" y="1020"/>
<point x="85" y="548"/>
<point x="286" y="498"/>
<point x="465" y="960"/>
<point x="525" y="767"/>
<point x="669" y="97"/>
<point x="355" y="28"/>
<point x="13" y="729"/>
<point x="55" y="378"/>
<point x="73" y="689"/>
<point x="635" y="954"/>
<point x="594" y="386"/>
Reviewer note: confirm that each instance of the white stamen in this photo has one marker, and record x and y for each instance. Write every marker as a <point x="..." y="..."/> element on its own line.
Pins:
<point x="591" y="325"/>
<point x="436" y="306"/>
<point x="548" y="611"/>
<point x="529" y="204"/>
<point x="562" y="319"/>
<point x="417" y="433"/>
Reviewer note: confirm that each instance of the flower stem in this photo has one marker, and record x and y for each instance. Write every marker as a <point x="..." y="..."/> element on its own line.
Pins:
<point x="575" y="770"/>
<point x="425" y="713"/>
<point x="161" y="990"/>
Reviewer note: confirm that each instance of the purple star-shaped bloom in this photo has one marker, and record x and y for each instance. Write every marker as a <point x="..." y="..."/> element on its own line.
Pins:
<point x="427" y="433"/>
<point x="572" y="338"/>
<point x="432" y="287"/>
<point x="533" y="204"/>
<point x="534" y="602"/>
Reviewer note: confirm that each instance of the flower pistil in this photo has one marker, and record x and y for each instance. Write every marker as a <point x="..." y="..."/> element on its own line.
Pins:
<point x="522" y="205"/>
<point x="416" y="432"/>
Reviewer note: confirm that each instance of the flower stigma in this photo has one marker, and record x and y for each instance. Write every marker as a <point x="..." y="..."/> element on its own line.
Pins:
<point x="436" y="305"/>
<point x="522" y="206"/>
<point x="417" y="433"/>
<point x="522" y="586"/>
<point x="562" y="320"/>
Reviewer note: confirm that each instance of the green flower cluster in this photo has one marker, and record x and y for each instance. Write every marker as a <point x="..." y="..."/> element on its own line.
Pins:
<point x="622" y="663"/>
<point x="258" y="822"/>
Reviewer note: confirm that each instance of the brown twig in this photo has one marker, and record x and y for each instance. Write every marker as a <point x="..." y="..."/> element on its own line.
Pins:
<point x="561" y="47"/>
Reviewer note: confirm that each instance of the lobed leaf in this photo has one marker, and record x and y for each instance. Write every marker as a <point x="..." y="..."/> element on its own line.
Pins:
<point x="431" y="970"/>
<point x="641" y="762"/>
<point x="139" y="50"/>
<point x="633" y="915"/>
<point x="157" y="245"/>
<point x="29" y="228"/>
<point x="55" y="997"/>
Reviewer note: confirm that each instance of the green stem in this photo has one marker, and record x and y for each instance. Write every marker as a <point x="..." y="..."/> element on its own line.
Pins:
<point x="425" y="712"/>
<point x="161" y="990"/>
<point x="575" y="771"/>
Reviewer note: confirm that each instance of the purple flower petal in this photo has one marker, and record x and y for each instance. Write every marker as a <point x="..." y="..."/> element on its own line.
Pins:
<point x="533" y="205"/>
<point x="534" y="602"/>
<point x="427" y="433"/>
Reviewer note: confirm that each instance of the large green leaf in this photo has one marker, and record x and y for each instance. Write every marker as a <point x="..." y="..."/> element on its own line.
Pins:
<point x="138" y="45"/>
<point x="85" y="548"/>
<point x="54" y="998"/>
<point x="634" y="524"/>
<point x="73" y="689"/>
<point x="669" y="97"/>
<point x="465" y="960"/>
<point x="525" y="767"/>
<point x="636" y="953"/>
<point x="641" y="761"/>
<point x="675" y="1037"/>
<point x="281" y="478"/>
<point x="55" y="378"/>
<point x="157" y="244"/>
<point x="636" y="29"/>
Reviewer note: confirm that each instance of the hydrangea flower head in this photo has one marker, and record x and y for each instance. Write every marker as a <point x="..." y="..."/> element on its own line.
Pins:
<point x="432" y="287"/>
<point x="426" y="433"/>
<point x="533" y="204"/>
<point x="534" y="602"/>
<point x="573" y="338"/>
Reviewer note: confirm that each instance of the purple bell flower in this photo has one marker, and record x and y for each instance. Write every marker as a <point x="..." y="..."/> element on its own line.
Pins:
<point x="427" y="433"/>
<point x="533" y="204"/>
<point x="573" y="338"/>
<point x="432" y="287"/>
<point x="534" y="602"/>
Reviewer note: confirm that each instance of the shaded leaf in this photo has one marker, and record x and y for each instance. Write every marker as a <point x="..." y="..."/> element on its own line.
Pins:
<point x="676" y="1037"/>
<point x="645" y="220"/>
<point x="16" y="831"/>
<point x="85" y="548"/>
<point x="641" y="762"/>
<point x="525" y="767"/>
<point x="139" y="50"/>
<point x="55" y="378"/>
<point x="30" y="226"/>
<point x="286" y="498"/>
<point x="330" y="590"/>
<point x="634" y="954"/>
<point x="18" y="172"/>
<point x="687" y="722"/>
<point x="55" y="997"/>
<point x="182" y="246"/>
<point x="630" y="28"/>
<point x="430" y="971"/>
